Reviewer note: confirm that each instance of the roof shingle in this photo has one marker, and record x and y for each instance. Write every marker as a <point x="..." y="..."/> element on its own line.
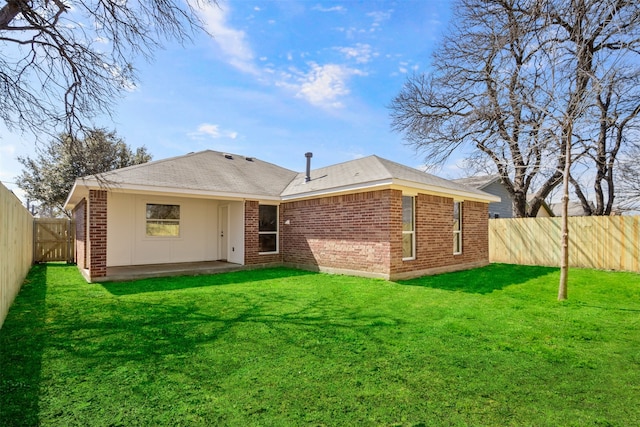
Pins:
<point x="219" y="173"/>
<point x="207" y="171"/>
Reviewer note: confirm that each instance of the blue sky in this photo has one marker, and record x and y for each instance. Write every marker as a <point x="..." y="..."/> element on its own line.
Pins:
<point x="278" y="79"/>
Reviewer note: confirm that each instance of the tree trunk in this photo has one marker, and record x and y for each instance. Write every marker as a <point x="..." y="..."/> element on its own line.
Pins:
<point x="564" y="258"/>
<point x="586" y="205"/>
<point x="8" y="13"/>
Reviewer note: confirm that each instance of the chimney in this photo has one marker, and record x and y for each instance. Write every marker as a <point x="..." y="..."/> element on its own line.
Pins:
<point x="307" y="178"/>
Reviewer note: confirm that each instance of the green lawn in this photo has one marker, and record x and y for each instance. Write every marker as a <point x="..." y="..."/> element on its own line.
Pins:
<point x="282" y="347"/>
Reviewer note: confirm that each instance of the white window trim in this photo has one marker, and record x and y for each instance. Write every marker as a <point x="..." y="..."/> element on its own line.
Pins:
<point x="412" y="232"/>
<point x="146" y="220"/>
<point x="277" y="232"/>
<point x="458" y="233"/>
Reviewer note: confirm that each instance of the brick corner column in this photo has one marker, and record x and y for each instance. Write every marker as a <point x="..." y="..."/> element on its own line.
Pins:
<point x="251" y="245"/>
<point x="97" y="234"/>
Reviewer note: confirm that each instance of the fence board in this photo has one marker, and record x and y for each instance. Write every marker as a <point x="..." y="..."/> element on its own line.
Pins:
<point x="603" y="242"/>
<point x="16" y="250"/>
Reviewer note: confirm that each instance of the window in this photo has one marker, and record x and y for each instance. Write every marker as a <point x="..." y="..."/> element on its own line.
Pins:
<point x="163" y="220"/>
<point x="268" y="229"/>
<point x="408" y="228"/>
<point x="457" y="227"/>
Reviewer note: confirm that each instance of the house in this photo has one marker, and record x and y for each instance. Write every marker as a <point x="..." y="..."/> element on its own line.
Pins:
<point x="492" y="184"/>
<point x="573" y="209"/>
<point x="370" y="217"/>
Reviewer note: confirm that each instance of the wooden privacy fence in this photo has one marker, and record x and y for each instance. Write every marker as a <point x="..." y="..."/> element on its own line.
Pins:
<point x="602" y="242"/>
<point x="16" y="247"/>
<point x="53" y="240"/>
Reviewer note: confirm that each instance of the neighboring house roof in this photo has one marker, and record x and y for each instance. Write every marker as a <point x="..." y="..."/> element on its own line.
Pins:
<point x="215" y="174"/>
<point x="544" y="211"/>
<point x="478" y="182"/>
<point x="574" y="209"/>
<point x="482" y="182"/>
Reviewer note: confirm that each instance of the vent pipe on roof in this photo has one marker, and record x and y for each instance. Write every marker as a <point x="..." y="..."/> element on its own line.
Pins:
<point x="307" y="177"/>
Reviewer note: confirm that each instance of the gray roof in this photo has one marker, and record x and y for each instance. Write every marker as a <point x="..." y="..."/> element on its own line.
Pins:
<point x="219" y="174"/>
<point x="207" y="171"/>
<point x="573" y="209"/>
<point x="367" y="171"/>
<point x="478" y="182"/>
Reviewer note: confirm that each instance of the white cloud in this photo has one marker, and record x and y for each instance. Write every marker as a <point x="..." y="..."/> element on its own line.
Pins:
<point x="360" y="52"/>
<point x="124" y="78"/>
<point x="212" y="131"/>
<point x="233" y="43"/>
<point x="378" y="18"/>
<point x="320" y="8"/>
<point x="404" y="67"/>
<point x="321" y="85"/>
<point x="324" y="85"/>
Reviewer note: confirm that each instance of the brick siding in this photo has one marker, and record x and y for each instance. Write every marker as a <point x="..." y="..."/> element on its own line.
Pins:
<point x="434" y="238"/>
<point x="97" y="233"/>
<point x="362" y="233"/>
<point x="252" y="254"/>
<point x="349" y="232"/>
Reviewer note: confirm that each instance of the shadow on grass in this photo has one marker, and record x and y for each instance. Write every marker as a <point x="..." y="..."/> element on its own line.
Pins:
<point x="162" y="284"/>
<point x="482" y="280"/>
<point x="108" y="340"/>
<point x="141" y="332"/>
<point x="22" y="342"/>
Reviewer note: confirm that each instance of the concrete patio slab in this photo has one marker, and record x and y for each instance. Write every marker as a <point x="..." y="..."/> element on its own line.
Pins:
<point x="135" y="272"/>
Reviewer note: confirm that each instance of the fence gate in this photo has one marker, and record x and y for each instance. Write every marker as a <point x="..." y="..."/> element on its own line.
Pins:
<point x="53" y="240"/>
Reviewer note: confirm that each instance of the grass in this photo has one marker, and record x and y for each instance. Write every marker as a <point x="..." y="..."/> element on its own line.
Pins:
<point x="277" y="347"/>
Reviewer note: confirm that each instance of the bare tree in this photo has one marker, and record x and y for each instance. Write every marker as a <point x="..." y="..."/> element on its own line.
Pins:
<point x="488" y="90"/>
<point x="515" y="80"/>
<point x="629" y="178"/>
<point x="609" y="126"/>
<point x="503" y="81"/>
<point x="64" y="63"/>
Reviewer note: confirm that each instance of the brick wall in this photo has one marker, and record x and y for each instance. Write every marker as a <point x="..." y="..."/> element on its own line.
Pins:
<point x="80" y="217"/>
<point x="252" y="254"/>
<point x="348" y="232"/>
<point x="396" y="231"/>
<point x="434" y="238"/>
<point x="475" y="232"/>
<point x="97" y="234"/>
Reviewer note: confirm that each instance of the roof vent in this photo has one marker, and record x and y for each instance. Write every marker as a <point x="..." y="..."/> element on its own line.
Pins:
<point x="228" y="156"/>
<point x="307" y="177"/>
<point x="249" y="159"/>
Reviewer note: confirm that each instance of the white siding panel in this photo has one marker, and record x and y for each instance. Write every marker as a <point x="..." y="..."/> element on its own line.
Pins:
<point x="128" y="244"/>
<point x="236" y="235"/>
<point x="120" y="228"/>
